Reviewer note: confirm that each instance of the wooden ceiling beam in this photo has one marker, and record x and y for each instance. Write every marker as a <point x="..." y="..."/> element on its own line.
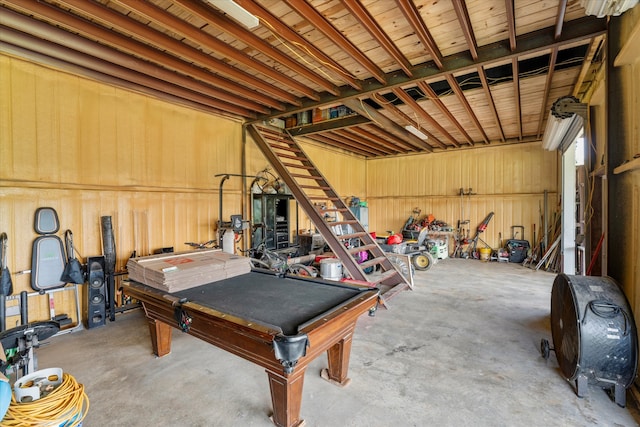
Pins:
<point x="160" y="17"/>
<point x="44" y="47"/>
<point x="329" y="125"/>
<point x="465" y="104"/>
<point x="384" y="122"/>
<point x="78" y="70"/>
<point x="370" y="136"/>
<point x="366" y="20"/>
<point x="336" y="142"/>
<point x="42" y="30"/>
<point x="225" y="24"/>
<point x="60" y="18"/>
<point x="404" y="145"/>
<point x="435" y="99"/>
<point x="308" y="12"/>
<point x="411" y="103"/>
<point x="516" y="89"/>
<point x="586" y="64"/>
<point x="547" y="88"/>
<point x="562" y="9"/>
<point x="387" y="105"/>
<point x="281" y="30"/>
<point x="492" y="104"/>
<point x="358" y="139"/>
<point x="527" y="44"/>
<point x="391" y="108"/>
<point x="111" y="18"/>
<point x="422" y="32"/>
<point x="511" y="23"/>
<point x="465" y="23"/>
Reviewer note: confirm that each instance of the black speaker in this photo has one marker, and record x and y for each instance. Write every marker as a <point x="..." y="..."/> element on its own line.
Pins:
<point x="97" y="292"/>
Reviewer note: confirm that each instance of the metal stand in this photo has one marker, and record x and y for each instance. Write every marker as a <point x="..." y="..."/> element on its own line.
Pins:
<point x="24" y="339"/>
<point x="10" y="311"/>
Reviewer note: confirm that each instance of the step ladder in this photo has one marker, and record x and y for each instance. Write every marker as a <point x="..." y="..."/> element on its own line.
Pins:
<point x="339" y="227"/>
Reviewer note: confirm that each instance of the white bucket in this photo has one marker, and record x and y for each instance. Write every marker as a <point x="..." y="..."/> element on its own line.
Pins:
<point x="331" y="269"/>
<point x="228" y="241"/>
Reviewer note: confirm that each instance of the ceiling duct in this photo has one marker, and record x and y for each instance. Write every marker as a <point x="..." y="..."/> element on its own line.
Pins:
<point x="565" y="122"/>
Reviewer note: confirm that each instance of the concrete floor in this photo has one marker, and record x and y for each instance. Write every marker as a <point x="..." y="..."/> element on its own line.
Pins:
<point x="461" y="349"/>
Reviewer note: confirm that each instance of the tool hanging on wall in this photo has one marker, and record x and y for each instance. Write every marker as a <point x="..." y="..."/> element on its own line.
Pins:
<point x="73" y="272"/>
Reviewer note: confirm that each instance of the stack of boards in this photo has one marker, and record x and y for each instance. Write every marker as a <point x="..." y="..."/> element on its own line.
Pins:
<point x="173" y="272"/>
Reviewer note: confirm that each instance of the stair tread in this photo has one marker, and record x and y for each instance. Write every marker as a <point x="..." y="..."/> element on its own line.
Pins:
<point x="286" y="156"/>
<point x="351" y="236"/>
<point x="291" y="165"/>
<point x="297" y="175"/>
<point x="361" y="248"/>
<point x="372" y="262"/>
<point x="345" y="222"/>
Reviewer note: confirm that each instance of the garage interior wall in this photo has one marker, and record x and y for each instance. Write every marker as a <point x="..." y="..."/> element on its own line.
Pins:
<point x="622" y="112"/>
<point x="89" y="149"/>
<point x="508" y="180"/>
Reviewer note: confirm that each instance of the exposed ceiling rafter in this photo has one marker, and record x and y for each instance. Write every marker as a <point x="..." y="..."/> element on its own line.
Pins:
<point x="312" y="61"/>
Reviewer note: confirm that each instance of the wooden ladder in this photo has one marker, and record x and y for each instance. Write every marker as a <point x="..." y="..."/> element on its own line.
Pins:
<point x="327" y="211"/>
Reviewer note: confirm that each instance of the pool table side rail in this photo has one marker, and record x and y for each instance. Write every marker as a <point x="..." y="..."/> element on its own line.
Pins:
<point x="360" y="303"/>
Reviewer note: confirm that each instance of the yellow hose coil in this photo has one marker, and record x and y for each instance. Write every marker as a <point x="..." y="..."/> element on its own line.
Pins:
<point x="66" y="405"/>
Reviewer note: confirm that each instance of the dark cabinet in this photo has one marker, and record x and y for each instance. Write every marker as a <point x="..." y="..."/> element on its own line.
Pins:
<point x="271" y="220"/>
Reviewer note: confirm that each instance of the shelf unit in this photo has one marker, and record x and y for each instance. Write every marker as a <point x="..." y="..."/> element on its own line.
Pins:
<point x="271" y="220"/>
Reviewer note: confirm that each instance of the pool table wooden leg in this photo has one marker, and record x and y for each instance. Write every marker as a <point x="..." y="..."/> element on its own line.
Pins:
<point x="286" y="398"/>
<point x="338" y="360"/>
<point x="160" y="337"/>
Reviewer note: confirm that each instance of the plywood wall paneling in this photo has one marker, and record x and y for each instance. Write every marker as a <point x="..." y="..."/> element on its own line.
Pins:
<point x="508" y="180"/>
<point x="90" y="150"/>
<point x="22" y="128"/>
<point x="151" y="166"/>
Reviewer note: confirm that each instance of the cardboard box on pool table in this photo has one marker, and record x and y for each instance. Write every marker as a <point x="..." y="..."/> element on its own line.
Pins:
<point x="174" y="272"/>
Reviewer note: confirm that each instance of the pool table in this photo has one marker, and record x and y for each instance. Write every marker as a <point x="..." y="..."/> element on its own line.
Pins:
<point x="279" y="323"/>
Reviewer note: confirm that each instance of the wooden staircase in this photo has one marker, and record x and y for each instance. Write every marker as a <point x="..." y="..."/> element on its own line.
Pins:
<point x="344" y="234"/>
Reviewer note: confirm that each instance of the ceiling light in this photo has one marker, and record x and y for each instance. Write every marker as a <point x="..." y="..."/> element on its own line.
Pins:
<point x="602" y="8"/>
<point x="416" y="132"/>
<point x="236" y="12"/>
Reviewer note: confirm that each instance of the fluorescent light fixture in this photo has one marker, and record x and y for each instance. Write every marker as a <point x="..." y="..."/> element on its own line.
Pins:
<point x="559" y="133"/>
<point x="416" y="132"/>
<point x="602" y="8"/>
<point x="236" y="12"/>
